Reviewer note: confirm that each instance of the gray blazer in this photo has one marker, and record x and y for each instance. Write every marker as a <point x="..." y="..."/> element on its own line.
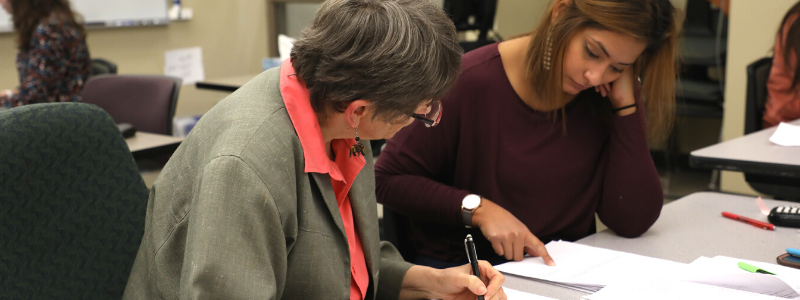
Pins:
<point x="233" y="215"/>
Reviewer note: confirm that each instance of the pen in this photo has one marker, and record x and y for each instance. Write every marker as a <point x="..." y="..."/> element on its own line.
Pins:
<point x="473" y="258"/>
<point x="755" y="223"/>
<point x="753" y="269"/>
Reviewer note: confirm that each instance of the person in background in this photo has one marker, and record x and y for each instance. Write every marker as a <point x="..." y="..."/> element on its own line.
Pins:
<point x="53" y="60"/>
<point x="783" y="94"/>
<point x="541" y="133"/>
<point x="272" y="195"/>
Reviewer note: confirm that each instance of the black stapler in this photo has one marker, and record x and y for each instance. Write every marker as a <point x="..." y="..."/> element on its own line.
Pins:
<point x="126" y="129"/>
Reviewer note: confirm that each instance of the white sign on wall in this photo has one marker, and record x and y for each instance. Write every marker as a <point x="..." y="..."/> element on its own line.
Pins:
<point x="186" y="64"/>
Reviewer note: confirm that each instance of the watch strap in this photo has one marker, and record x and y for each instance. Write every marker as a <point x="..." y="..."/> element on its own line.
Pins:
<point x="466" y="217"/>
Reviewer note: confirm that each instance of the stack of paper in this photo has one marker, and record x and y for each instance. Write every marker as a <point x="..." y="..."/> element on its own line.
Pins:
<point x="588" y="269"/>
<point x="716" y="278"/>
<point x="619" y="275"/>
<point x="724" y="272"/>
<point x="672" y="289"/>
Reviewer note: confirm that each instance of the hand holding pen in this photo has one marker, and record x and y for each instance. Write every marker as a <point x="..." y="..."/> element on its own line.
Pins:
<point x="472" y="256"/>
<point x="456" y="283"/>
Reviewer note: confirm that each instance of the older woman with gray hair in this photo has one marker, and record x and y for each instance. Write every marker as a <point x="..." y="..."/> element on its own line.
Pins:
<point x="272" y="195"/>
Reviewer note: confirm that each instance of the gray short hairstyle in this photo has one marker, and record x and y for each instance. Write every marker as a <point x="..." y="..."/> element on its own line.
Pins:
<point x="397" y="54"/>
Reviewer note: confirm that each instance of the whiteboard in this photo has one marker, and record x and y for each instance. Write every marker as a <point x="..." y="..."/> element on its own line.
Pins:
<point x="110" y="13"/>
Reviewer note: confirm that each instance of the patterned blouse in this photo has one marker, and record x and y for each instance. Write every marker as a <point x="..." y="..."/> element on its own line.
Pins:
<point x="55" y="67"/>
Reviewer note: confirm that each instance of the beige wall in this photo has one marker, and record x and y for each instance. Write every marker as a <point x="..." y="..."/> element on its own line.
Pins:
<point x="518" y="16"/>
<point x="751" y="35"/>
<point x="232" y="34"/>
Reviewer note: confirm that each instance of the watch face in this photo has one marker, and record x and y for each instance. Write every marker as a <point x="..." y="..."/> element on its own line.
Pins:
<point x="471" y="202"/>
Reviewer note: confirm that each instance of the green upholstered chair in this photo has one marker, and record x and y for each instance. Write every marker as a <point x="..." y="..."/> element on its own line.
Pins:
<point x="72" y="204"/>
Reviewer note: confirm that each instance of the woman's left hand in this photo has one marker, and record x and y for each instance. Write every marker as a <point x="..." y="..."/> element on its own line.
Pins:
<point x="620" y="91"/>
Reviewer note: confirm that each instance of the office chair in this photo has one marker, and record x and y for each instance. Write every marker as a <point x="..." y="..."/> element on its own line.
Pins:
<point x="756" y="97"/>
<point x="72" y="204"/>
<point x="102" y="66"/>
<point x="776" y="186"/>
<point x="146" y="102"/>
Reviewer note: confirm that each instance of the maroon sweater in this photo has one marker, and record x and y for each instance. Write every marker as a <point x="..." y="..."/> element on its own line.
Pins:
<point x="491" y="143"/>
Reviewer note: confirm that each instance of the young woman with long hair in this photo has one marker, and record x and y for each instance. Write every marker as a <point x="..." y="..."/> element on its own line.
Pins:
<point x="541" y="133"/>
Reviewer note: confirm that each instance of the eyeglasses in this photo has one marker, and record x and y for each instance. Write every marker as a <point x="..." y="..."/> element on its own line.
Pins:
<point x="433" y="116"/>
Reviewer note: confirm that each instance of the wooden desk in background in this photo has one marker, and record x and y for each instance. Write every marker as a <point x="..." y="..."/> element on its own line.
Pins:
<point x="145" y="144"/>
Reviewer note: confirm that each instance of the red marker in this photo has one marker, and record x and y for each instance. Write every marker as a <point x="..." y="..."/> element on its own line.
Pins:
<point x="755" y="223"/>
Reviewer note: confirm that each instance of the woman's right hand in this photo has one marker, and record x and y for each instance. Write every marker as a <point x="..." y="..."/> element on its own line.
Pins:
<point x="509" y="237"/>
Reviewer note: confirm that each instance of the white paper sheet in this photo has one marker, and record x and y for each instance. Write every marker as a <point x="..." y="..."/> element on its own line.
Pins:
<point x="186" y="64"/>
<point x="673" y="289"/>
<point x="585" y="267"/>
<point x="790" y="276"/>
<point x="786" y="135"/>
<point x="724" y="272"/>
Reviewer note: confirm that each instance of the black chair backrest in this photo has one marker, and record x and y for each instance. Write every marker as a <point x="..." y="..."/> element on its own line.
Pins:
<point x="757" y="75"/>
<point x="72" y="204"/>
<point x="102" y="66"/>
<point x="778" y="187"/>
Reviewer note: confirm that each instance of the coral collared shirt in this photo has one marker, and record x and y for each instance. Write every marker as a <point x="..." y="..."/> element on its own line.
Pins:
<point x="342" y="171"/>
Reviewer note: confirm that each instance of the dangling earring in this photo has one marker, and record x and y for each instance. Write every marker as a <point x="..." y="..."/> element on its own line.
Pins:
<point x="358" y="148"/>
<point x="548" y="51"/>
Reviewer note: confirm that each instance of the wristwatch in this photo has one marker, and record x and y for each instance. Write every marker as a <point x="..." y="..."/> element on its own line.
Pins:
<point x="468" y="205"/>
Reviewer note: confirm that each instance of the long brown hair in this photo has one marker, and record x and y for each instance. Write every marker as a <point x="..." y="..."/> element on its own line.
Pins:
<point x="653" y="21"/>
<point x="27" y="14"/>
<point x="791" y="44"/>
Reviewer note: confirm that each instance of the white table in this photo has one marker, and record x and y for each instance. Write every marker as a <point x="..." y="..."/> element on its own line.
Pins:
<point x="688" y="228"/>
<point x="752" y="153"/>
